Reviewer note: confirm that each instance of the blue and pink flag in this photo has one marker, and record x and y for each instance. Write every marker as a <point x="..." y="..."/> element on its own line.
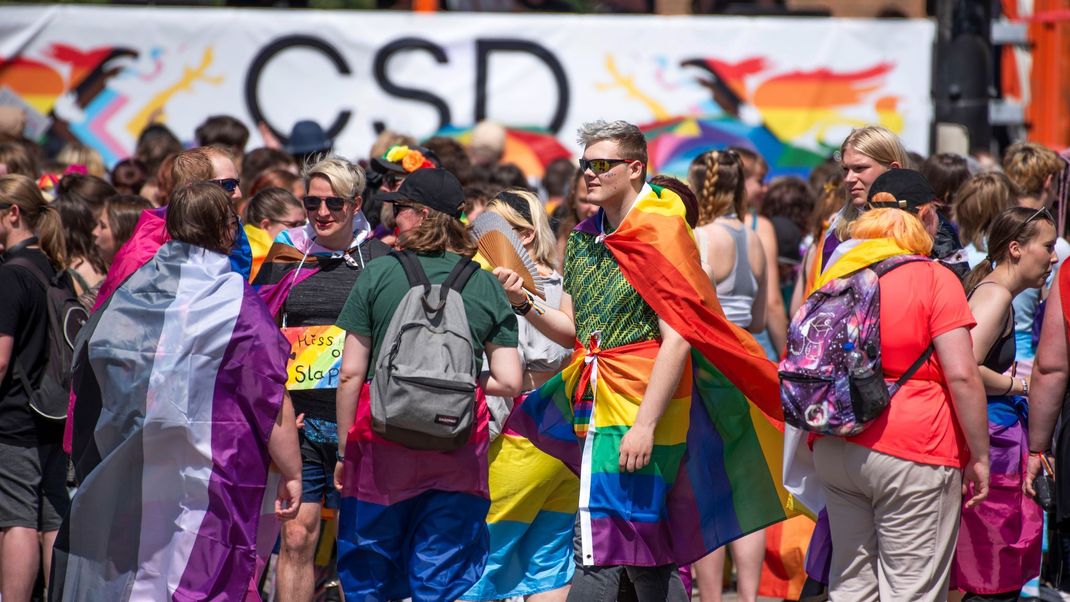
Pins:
<point x="179" y="378"/>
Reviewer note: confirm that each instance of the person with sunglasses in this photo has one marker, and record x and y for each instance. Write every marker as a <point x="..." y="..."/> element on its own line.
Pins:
<point x="894" y="491"/>
<point x="305" y="280"/>
<point x="413" y="520"/>
<point x="388" y="171"/>
<point x="636" y="303"/>
<point x="1021" y="255"/>
<point x="269" y="212"/>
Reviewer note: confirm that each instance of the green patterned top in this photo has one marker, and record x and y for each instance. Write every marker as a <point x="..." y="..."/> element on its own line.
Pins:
<point x="602" y="298"/>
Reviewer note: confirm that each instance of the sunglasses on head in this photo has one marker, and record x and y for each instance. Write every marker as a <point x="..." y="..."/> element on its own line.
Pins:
<point x="600" y="166"/>
<point x="334" y="203"/>
<point x="228" y="184"/>
<point x="1041" y="213"/>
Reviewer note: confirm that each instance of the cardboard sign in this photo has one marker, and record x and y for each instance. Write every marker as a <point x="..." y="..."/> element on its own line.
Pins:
<point x="315" y="357"/>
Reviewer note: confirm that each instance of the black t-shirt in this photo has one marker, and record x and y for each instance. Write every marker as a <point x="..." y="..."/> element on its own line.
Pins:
<point x="24" y="316"/>
<point x="317" y="301"/>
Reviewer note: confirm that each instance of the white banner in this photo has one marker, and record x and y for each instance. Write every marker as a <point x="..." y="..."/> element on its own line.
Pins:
<point x="103" y="73"/>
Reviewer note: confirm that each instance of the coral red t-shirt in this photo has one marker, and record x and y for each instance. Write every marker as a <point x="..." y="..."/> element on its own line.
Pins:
<point x="919" y="301"/>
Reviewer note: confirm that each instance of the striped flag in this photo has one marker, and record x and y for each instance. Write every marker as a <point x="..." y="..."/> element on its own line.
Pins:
<point x="179" y="379"/>
<point x="715" y="470"/>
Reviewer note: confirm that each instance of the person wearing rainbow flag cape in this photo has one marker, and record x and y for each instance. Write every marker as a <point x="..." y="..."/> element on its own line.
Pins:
<point x="668" y="412"/>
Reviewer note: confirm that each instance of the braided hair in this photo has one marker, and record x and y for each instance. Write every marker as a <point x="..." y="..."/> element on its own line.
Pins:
<point x="718" y="181"/>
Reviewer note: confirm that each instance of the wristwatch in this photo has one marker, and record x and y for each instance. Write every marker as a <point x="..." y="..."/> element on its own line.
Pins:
<point x="339" y="456"/>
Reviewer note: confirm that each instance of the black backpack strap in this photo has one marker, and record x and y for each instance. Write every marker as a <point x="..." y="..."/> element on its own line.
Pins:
<point x="883" y="267"/>
<point x="32" y="268"/>
<point x="413" y="270"/>
<point x="918" y="363"/>
<point x="458" y="277"/>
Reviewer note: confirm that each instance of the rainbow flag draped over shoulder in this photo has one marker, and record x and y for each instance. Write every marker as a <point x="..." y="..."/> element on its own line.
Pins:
<point x="715" y="470"/>
<point x="179" y="380"/>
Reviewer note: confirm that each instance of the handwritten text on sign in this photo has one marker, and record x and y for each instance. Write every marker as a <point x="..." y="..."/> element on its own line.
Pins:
<point x="315" y="357"/>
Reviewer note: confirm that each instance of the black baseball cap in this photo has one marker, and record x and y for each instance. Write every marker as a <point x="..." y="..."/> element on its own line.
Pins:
<point x="435" y="188"/>
<point x="904" y="189"/>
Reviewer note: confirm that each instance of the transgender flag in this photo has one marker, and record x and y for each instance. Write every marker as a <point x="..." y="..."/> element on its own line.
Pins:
<point x="179" y="377"/>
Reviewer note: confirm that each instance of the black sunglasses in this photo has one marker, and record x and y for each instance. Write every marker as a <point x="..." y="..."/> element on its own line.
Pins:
<point x="334" y="203"/>
<point x="228" y="184"/>
<point x="6" y="206"/>
<point x="398" y="207"/>
<point x="600" y="166"/>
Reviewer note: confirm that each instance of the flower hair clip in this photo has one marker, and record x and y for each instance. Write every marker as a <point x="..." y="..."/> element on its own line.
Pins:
<point x="410" y="159"/>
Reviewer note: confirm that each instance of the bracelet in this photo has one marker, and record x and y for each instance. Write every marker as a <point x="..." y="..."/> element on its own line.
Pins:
<point x="523" y="308"/>
<point x="1025" y="386"/>
<point x="1009" y="387"/>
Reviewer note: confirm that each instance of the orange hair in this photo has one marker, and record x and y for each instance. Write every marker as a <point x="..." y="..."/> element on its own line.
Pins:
<point x="903" y="227"/>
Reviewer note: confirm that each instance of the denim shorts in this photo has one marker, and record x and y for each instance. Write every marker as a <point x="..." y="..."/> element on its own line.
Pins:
<point x="317" y="472"/>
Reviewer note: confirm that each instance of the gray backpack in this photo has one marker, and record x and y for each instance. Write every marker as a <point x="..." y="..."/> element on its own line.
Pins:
<point x="423" y="394"/>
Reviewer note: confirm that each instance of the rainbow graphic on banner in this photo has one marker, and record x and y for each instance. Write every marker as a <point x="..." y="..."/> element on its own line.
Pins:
<point x="315" y="357"/>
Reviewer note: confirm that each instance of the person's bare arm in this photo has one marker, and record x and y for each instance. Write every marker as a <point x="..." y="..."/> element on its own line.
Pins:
<point x="286" y="454"/>
<point x="799" y="294"/>
<point x="356" y="351"/>
<point x="7" y="347"/>
<point x="954" y="351"/>
<point x="505" y="375"/>
<point x="991" y="309"/>
<point x="638" y="443"/>
<point x="765" y="278"/>
<point x="555" y="324"/>
<point x="1047" y="385"/>
<point x="776" y="316"/>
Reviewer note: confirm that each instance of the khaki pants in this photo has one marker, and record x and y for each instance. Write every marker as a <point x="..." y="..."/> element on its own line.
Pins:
<point x="894" y="523"/>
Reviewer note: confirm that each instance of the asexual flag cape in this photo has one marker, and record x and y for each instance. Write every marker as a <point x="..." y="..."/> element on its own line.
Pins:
<point x="715" y="472"/>
<point x="149" y="233"/>
<point x="179" y="379"/>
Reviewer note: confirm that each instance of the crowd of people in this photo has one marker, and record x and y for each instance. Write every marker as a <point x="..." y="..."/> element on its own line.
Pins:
<point x="504" y="387"/>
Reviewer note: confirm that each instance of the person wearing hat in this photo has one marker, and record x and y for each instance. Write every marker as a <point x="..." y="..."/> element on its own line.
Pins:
<point x="894" y="491"/>
<point x="386" y="175"/>
<point x="412" y="522"/>
<point x="307" y="139"/>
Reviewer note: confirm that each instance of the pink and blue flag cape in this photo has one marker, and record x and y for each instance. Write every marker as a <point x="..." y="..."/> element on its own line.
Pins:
<point x="179" y="379"/>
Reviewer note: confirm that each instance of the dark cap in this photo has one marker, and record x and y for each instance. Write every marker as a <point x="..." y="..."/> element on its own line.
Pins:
<point x="904" y="189"/>
<point x="432" y="187"/>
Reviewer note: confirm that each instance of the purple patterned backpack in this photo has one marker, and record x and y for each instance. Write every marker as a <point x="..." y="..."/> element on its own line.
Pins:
<point x="831" y="381"/>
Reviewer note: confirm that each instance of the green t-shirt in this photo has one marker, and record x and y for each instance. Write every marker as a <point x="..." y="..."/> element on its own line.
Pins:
<point x="383" y="284"/>
<point x="602" y="298"/>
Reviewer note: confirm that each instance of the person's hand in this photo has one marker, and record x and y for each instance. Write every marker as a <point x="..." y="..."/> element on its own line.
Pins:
<point x="301" y="421"/>
<point x="975" y="481"/>
<point x="288" y="498"/>
<point x="636" y="447"/>
<point x="1032" y="471"/>
<point x="338" y="468"/>
<point x="270" y="140"/>
<point x="513" y="285"/>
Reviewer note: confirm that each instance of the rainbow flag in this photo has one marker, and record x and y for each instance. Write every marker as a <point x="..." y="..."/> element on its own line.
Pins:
<point x="382" y="481"/>
<point x="530" y="522"/>
<point x="715" y="471"/>
<point x="179" y="380"/>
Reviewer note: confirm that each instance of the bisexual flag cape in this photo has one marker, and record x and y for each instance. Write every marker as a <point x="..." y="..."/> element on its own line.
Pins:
<point x="295" y="255"/>
<point x="149" y="233"/>
<point x="179" y="379"/>
<point x="715" y="471"/>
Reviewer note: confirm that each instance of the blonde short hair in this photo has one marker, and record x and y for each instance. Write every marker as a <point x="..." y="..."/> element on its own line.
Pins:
<point x="1029" y="165"/>
<point x="903" y="227"/>
<point x="347" y="179"/>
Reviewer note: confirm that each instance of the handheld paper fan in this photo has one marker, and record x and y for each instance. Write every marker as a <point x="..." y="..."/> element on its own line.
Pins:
<point x="500" y="247"/>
